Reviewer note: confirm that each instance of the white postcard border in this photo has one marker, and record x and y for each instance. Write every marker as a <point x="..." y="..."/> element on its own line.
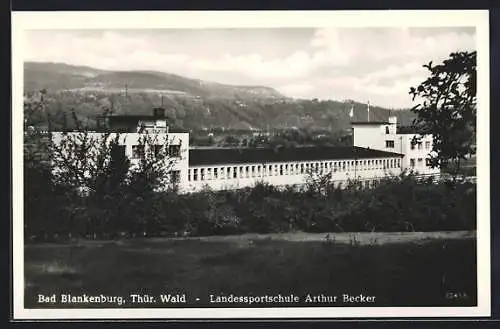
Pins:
<point x="22" y="21"/>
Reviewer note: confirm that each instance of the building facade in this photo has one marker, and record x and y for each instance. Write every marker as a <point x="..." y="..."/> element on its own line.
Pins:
<point x="378" y="151"/>
<point x="380" y="135"/>
<point x="221" y="169"/>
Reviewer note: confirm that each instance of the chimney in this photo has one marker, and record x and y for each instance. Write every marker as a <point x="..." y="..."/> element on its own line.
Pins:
<point x="159" y="112"/>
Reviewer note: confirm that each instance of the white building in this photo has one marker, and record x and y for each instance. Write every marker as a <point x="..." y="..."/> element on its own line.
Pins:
<point x="222" y="169"/>
<point x="134" y="130"/>
<point x="384" y="136"/>
<point x="378" y="151"/>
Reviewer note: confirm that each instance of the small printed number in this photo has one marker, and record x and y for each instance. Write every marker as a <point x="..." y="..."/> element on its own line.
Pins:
<point x="456" y="295"/>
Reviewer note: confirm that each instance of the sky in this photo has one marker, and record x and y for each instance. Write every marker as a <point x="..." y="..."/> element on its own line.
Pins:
<point x="364" y="64"/>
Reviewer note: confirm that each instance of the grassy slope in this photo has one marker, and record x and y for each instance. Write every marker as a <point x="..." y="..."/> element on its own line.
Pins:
<point x="408" y="274"/>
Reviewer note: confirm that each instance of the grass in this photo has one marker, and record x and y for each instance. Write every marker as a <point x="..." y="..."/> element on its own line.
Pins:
<point x="413" y="273"/>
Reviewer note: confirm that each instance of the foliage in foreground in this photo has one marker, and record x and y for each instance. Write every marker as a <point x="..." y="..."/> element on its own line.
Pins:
<point x="396" y="204"/>
<point x="447" y="109"/>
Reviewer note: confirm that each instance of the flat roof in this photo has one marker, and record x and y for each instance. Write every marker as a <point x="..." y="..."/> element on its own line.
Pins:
<point x="130" y="117"/>
<point x="370" y="123"/>
<point x="407" y="130"/>
<point x="215" y="156"/>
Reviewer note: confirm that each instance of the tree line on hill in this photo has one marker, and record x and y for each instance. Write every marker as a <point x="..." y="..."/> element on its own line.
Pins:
<point x="208" y="113"/>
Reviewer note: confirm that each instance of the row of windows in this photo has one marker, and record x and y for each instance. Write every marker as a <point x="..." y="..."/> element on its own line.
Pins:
<point x="420" y="162"/>
<point x="138" y="150"/>
<point x="249" y="171"/>
<point x="419" y="145"/>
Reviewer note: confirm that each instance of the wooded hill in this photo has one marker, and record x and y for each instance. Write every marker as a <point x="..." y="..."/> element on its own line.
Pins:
<point x="190" y="103"/>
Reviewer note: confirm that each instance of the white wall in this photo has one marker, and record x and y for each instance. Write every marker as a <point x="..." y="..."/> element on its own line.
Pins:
<point x="418" y="152"/>
<point x="374" y="136"/>
<point x="130" y="139"/>
<point x="366" y="169"/>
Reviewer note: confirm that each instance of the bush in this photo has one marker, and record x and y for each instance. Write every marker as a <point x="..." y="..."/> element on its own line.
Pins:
<point x="395" y="204"/>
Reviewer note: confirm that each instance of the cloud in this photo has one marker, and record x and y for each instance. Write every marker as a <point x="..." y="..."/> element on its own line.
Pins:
<point x="299" y="89"/>
<point x="360" y="63"/>
<point x="254" y="65"/>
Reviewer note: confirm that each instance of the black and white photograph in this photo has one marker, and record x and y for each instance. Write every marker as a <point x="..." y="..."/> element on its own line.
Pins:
<point x="215" y="165"/>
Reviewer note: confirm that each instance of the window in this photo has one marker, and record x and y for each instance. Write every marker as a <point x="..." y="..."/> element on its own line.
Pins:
<point x="301" y="168"/>
<point x="235" y="172"/>
<point x="216" y="173"/>
<point x="202" y="174"/>
<point x="209" y="173"/>
<point x="281" y="170"/>
<point x="412" y="163"/>
<point x="157" y="150"/>
<point x="174" y="150"/>
<point x="247" y="171"/>
<point x="428" y="162"/>
<point x="253" y="171"/>
<point x="386" y="130"/>
<point x="291" y="169"/>
<point x="118" y="152"/>
<point x="296" y="168"/>
<point x="389" y="144"/>
<point x="175" y="176"/>
<point x="189" y="174"/>
<point x="275" y="170"/>
<point x="343" y="165"/>
<point x="419" y="144"/>
<point x="228" y="173"/>
<point x="195" y="174"/>
<point x="420" y="162"/>
<point x="258" y="170"/>
<point x="137" y="151"/>
<point x="270" y="170"/>
<point x="427" y="145"/>
<point x="241" y="171"/>
<point x="412" y="145"/>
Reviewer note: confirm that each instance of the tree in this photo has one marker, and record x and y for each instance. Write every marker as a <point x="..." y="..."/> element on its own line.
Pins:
<point x="80" y="159"/>
<point x="447" y="109"/>
<point x="231" y="140"/>
<point x="153" y="168"/>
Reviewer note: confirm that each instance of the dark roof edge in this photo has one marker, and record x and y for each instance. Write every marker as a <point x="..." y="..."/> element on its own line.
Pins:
<point x="370" y="123"/>
<point x="222" y="160"/>
<point x="380" y="151"/>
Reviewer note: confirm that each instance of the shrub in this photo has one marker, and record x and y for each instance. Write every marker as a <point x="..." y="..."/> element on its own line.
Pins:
<point x="395" y="204"/>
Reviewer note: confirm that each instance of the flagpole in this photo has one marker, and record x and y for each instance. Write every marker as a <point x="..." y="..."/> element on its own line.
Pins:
<point x="368" y="108"/>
